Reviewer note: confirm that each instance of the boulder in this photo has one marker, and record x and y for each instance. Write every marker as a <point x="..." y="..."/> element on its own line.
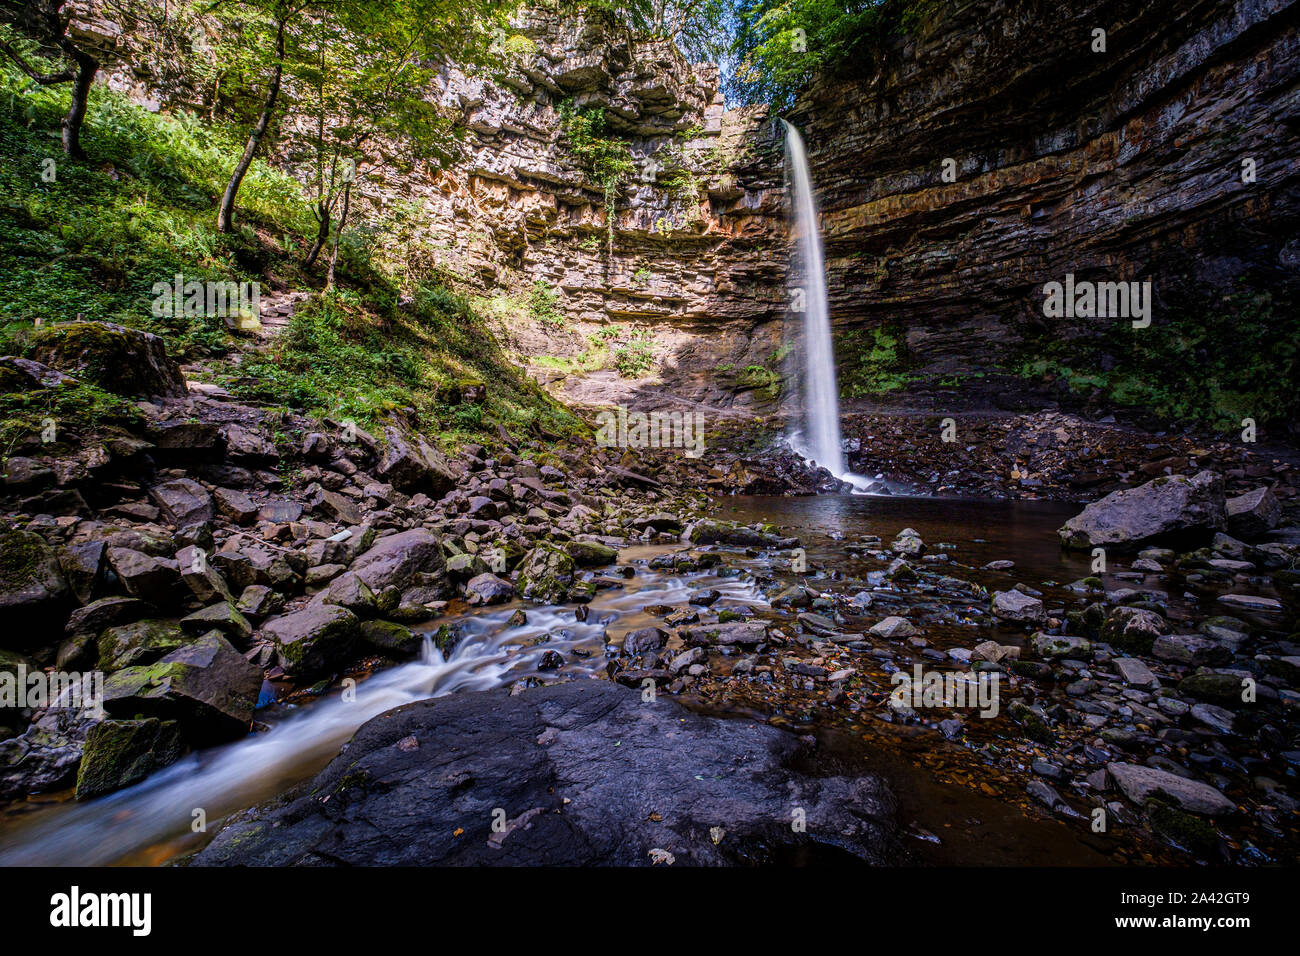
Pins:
<point x="734" y="632"/>
<point x="414" y="783"/>
<point x="464" y="566"/>
<point x="412" y="465"/>
<point x="545" y="574"/>
<point x="34" y="596"/>
<point x="349" y="591"/>
<point x="118" y="359"/>
<point x="644" y="639"/>
<point x="590" y="554"/>
<point x="183" y="501"/>
<point x="487" y="588"/>
<point x="893" y="628"/>
<point x="118" y="753"/>
<point x="107" y="612"/>
<point x="144" y="576"/>
<point x="708" y="531"/>
<point x="204" y="581"/>
<point x="395" y="560"/>
<point x="235" y="505"/>
<point x="395" y="640"/>
<point x="1018" y="607"/>
<point x="46" y="756"/>
<point x="222" y="616"/>
<point x="1169" y="508"/>
<point x="140" y="643"/>
<point x="1133" y="628"/>
<point x="207" y="685"/>
<point x="1253" y="513"/>
<point x="83" y="568"/>
<point x="315" y="639"/>
<point x="1190" y="649"/>
<point x="1139" y="783"/>
<point x="1061" y="645"/>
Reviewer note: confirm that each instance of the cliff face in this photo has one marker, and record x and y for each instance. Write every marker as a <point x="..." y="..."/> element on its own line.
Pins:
<point x="1118" y="165"/>
<point x="693" y="260"/>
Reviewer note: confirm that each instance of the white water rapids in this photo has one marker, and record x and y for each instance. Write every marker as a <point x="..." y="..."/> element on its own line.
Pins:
<point x="151" y="821"/>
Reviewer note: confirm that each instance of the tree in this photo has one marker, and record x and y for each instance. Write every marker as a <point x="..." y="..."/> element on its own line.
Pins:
<point x="279" y="14"/>
<point x="360" y="69"/>
<point x="365" y="79"/>
<point x="697" y="27"/>
<point x="44" y="24"/>
<point x="779" y="46"/>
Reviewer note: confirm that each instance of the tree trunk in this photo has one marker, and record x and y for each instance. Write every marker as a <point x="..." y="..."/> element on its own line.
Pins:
<point x="343" y="218"/>
<point x="226" y="214"/>
<point x="87" y="67"/>
<point x="322" y="234"/>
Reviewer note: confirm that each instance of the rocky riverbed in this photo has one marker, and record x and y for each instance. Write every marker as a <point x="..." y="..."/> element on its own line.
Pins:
<point x="224" y="560"/>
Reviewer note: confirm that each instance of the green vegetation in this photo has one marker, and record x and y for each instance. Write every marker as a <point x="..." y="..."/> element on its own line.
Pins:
<point x="780" y="45"/>
<point x="634" y="359"/>
<point x="606" y="160"/>
<point x="94" y="239"/>
<point x="1207" y="360"/>
<point x="543" y="304"/>
<point x="872" y="361"/>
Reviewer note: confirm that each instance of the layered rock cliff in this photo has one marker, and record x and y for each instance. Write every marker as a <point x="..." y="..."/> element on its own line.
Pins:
<point x="688" y="258"/>
<point x="1125" y="164"/>
<point x="1117" y="164"/>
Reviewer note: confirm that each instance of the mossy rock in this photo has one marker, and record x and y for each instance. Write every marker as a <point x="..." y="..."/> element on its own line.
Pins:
<point x="1089" y="621"/>
<point x="590" y="554"/>
<point x="1188" y="832"/>
<point x="119" y="753"/>
<point x="1222" y="689"/>
<point x="545" y="574"/>
<point x="391" y="639"/>
<point x="1033" y="726"/>
<point x="118" y="359"/>
<point x="140" y="643"/>
<point x="33" y="592"/>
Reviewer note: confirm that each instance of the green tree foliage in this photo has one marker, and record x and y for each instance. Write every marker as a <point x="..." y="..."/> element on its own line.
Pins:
<point x="779" y="46"/>
<point x="35" y="36"/>
<point x="358" y="67"/>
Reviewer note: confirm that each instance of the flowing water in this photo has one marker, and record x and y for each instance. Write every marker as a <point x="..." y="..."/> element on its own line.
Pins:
<point x="150" y="822"/>
<point x="820" y="440"/>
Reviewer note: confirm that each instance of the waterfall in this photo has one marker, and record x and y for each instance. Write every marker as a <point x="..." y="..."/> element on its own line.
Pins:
<point x="821" y="391"/>
<point x="820" y="440"/>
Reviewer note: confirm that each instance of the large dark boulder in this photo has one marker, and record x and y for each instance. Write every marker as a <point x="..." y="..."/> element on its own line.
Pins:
<point x="394" y="561"/>
<point x="421" y="785"/>
<point x="1173" y="509"/>
<point x="315" y="639"/>
<point x="411" y="464"/>
<point x="118" y="753"/>
<point x="545" y="574"/>
<point x="34" y="596"/>
<point x="121" y="360"/>
<point x="206" y="685"/>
